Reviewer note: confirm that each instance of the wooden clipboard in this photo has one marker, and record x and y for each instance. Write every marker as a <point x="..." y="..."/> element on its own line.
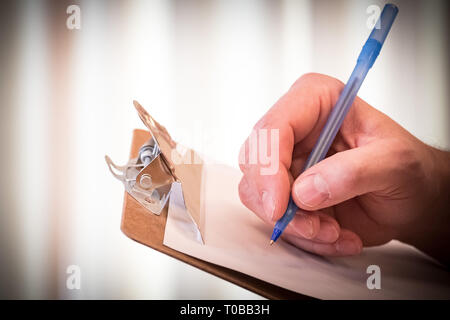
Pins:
<point x="148" y="229"/>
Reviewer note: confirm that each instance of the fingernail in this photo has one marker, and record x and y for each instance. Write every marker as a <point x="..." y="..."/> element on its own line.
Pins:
<point x="302" y="226"/>
<point x="347" y="247"/>
<point x="312" y="190"/>
<point x="309" y="230"/>
<point x="328" y="232"/>
<point x="268" y="205"/>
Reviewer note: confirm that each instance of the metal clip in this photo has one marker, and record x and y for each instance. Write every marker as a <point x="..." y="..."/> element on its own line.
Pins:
<point x="146" y="178"/>
<point x="149" y="177"/>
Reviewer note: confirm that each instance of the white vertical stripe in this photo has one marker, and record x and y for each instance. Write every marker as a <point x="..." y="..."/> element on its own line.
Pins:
<point x="33" y="151"/>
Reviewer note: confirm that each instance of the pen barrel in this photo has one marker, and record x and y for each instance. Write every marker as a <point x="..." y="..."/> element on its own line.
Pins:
<point x="327" y="136"/>
<point x="366" y="59"/>
<point x="337" y="116"/>
<point x="369" y="53"/>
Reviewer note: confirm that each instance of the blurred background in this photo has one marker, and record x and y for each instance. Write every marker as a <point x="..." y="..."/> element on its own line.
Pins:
<point x="207" y="70"/>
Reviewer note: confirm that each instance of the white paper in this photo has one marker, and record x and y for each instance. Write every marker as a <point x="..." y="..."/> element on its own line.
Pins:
<point x="235" y="238"/>
<point x="182" y="219"/>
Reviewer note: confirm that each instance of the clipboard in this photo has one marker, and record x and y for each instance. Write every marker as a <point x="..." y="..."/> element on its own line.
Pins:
<point x="148" y="229"/>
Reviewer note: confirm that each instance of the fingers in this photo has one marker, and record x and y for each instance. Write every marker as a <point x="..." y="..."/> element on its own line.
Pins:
<point x="267" y="196"/>
<point x="329" y="229"/>
<point x="347" y="244"/>
<point x="343" y="176"/>
<point x="295" y="120"/>
<point x="289" y="121"/>
<point x="305" y="225"/>
<point x="315" y="226"/>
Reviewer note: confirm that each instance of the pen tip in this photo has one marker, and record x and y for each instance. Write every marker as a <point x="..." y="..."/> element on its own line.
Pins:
<point x="271" y="242"/>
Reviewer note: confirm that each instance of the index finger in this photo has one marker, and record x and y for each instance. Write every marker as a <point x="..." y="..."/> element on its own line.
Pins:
<point x="292" y="119"/>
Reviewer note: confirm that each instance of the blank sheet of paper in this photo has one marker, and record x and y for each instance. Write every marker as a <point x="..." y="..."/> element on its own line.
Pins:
<point x="235" y="238"/>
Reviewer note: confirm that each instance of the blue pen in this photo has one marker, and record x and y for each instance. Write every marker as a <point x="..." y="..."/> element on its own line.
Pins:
<point x="366" y="58"/>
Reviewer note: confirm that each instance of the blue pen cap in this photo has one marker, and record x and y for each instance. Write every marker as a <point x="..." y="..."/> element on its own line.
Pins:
<point x="372" y="47"/>
<point x="384" y="23"/>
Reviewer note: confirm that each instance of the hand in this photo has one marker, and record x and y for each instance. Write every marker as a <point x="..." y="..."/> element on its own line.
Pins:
<point x="377" y="183"/>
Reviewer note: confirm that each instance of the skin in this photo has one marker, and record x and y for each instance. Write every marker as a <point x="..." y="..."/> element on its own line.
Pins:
<point x="377" y="183"/>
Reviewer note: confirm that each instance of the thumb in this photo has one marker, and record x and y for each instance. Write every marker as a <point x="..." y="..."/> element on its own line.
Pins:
<point x="342" y="176"/>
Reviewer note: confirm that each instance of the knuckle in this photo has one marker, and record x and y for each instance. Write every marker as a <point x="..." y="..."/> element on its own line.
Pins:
<point x="318" y="79"/>
<point x="243" y="189"/>
<point x="306" y="78"/>
<point x="265" y="122"/>
<point x="358" y="176"/>
<point x="408" y="164"/>
<point x="310" y="76"/>
<point x="356" y="173"/>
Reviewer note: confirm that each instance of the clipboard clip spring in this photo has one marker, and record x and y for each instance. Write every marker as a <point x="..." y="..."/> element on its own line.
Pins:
<point x="146" y="178"/>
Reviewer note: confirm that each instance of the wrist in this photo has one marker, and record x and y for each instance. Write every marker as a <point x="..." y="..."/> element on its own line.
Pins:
<point x="431" y="233"/>
<point x="443" y="180"/>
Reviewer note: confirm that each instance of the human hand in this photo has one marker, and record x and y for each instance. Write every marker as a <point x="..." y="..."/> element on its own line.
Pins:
<point x="377" y="183"/>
